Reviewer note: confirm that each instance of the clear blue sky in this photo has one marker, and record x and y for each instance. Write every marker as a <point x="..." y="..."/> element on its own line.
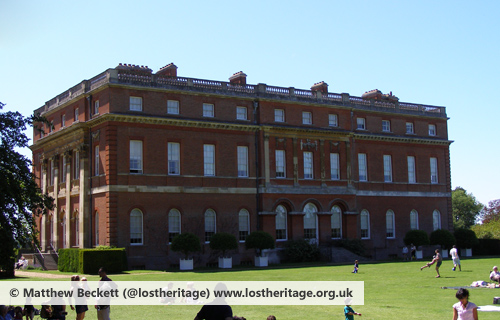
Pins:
<point x="443" y="53"/>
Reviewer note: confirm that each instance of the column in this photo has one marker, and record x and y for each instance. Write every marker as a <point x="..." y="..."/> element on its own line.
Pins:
<point x="68" y="232"/>
<point x="55" y="220"/>
<point x="83" y="201"/>
<point x="43" y="224"/>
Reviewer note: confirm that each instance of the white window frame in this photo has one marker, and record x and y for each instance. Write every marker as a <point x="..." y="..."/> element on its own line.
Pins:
<point x="362" y="167"/>
<point x="172" y="107"/>
<point x="281" y="223"/>
<point x="434" y="170"/>
<point x="63" y="120"/>
<point x="365" y="213"/>
<point x="136" y="156"/>
<point x="413" y="220"/>
<point x="310" y="220"/>
<point x="208" y="110"/>
<point x="96" y="107"/>
<point x="241" y="113"/>
<point x="174" y="224"/>
<point x="360" y="123"/>
<point x="390" y="225"/>
<point x="280" y="164"/>
<point x="412" y="177"/>
<point x="136" y="228"/>
<point x="386" y="126"/>
<point x="336" y="222"/>
<point x="210" y="224"/>
<point x="243" y="224"/>
<point x="174" y="158"/>
<point x="334" y="166"/>
<point x="432" y="130"/>
<point x="77" y="114"/>
<point x="209" y="160"/>
<point x="307" y="117"/>
<point x="409" y="128"/>
<point x="242" y="155"/>
<point x="279" y="115"/>
<point x="387" y="168"/>
<point x="436" y="220"/>
<point x="135" y="103"/>
<point x="308" y="165"/>
<point x="96" y="163"/>
<point x="333" y="120"/>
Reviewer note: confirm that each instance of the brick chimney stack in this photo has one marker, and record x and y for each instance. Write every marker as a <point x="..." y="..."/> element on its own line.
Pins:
<point x="238" y="78"/>
<point x="320" y="86"/>
<point x="170" y="70"/>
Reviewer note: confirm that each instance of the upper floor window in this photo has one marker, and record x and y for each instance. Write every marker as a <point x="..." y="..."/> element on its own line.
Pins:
<point x="333" y="120"/>
<point x="411" y="169"/>
<point x="280" y="164"/>
<point x="386" y="126"/>
<point x="363" y="173"/>
<point x="389" y="222"/>
<point x="387" y="168"/>
<point x="210" y="226"/>
<point x="336" y="222"/>
<point x="281" y="224"/>
<point x="279" y="115"/>
<point x="241" y="113"/>
<point x="334" y="166"/>
<point x="242" y="161"/>
<point x="76" y="114"/>
<point x="96" y="164"/>
<point x="308" y="165"/>
<point x="244" y="224"/>
<point x="432" y="130"/>
<point x="414" y="220"/>
<point x="365" y="224"/>
<point x="307" y="118"/>
<point x="174" y="158"/>
<point x="51" y="126"/>
<point x="174" y="224"/>
<point x="64" y="168"/>
<point x="135" y="156"/>
<point x="96" y="107"/>
<point x="208" y="110"/>
<point x="434" y="170"/>
<point x="361" y="123"/>
<point x="409" y="128"/>
<point x="209" y="159"/>
<point x="63" y="120"/>
<point x="173" y="107"/>
<point x="135" y="103"/>
<point x="52" y="171"/>
<point x="136" y="227"/>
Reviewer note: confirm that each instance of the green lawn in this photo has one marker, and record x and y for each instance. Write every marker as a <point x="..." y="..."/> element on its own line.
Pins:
<point x="395" y="290"/>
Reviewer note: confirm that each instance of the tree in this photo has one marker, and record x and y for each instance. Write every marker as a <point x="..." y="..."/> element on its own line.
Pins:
<point x="442" y="237"/>
<point x="259" y="240"/>
<point x="21" y="200"/>
<point x="466" y="238"/>
<point x="223" y="241"/>
<point x="491" y="212"/>
<point x="465" y="208"/>
<point x="186" y="242"/>
<point x="417" y="237"/>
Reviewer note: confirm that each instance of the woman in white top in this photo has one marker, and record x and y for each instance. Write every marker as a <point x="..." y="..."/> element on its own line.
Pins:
<point x="464" y="309"/>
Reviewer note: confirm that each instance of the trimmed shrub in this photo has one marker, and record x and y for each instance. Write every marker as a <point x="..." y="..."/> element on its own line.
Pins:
<point x="259" y="240"/>
<point x="356" y="246"/>
<point x="417" y="237"/>
<point x="443" y="237"/>
<point x="487" y="247"/>
<point x="114" y="260"/>
<point x="69" y="260"/>
<point x="186" y="242"/>
<point x="223" y="241"/>
<point x="301" y="251"/>
<point x="466" y="238"/>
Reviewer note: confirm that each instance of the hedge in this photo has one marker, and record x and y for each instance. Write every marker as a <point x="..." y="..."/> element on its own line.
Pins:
<point x="114" y="260"/>
<point x="69" y="260"/>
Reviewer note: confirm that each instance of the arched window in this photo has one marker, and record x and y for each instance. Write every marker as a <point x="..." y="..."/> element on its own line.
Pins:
<point x="365" y="224"/>
<point x="336" y="222"/>
<point x="174" y="224"/>
<point x="310" y="221"/>
<point x="389" y="222"/>
<point x="96" y="228"/>
<point x="244" y="224"/>
<point x="136" y="227"/>
<point x="414" y="220"/>
<point x="281" y="224"/>
<point x="209" y="224"/>
<point x="436" y="220"/>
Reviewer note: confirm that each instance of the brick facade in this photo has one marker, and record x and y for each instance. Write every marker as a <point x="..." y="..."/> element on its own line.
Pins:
<point x="95" y="205"/>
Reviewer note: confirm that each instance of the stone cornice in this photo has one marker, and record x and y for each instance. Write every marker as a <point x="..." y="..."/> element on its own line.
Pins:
<point x="400" y="139"/>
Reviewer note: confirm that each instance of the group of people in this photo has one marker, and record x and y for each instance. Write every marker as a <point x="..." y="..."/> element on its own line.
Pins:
<point x="437" y="259"/>
<point x="15" y="313"/>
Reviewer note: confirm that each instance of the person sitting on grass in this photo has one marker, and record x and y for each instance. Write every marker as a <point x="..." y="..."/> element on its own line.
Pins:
<point x="437" y="259"/>
<point x="495" y="275"/>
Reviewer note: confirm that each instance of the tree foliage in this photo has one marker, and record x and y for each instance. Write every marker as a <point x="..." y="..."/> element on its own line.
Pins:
<point x="491" y="212"/>
<point x="490" y="230"/>
<point x="417" y="237"/>
<point x="442" y="237"/>
<point x="259" y="240"/>
<point x="465" y="208"/>
<point x="223" y="241"/>
<point x="21" y="200"/>
<point x="186" y="242"/>
<point x="466" y="238"/>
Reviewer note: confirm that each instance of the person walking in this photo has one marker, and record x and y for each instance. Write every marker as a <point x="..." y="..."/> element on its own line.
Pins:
<point x="104" y="310"/>
<point x="456" y="258"/>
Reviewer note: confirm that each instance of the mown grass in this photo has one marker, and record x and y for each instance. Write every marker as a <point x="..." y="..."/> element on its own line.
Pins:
<point x="393" y="290"/>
